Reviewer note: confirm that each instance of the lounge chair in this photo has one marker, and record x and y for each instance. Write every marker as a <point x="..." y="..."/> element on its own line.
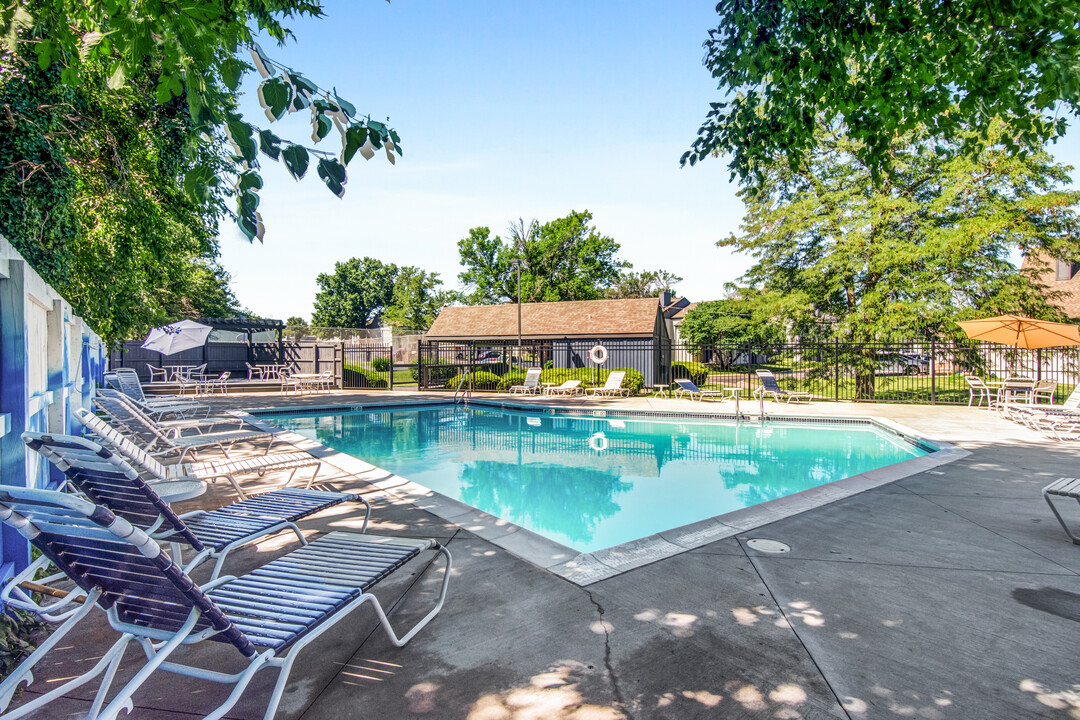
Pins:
<point x="769" y="386"/>
<point x="204" y="471"/>
<point x="531" y="383"/>
<point x="570" y="387"/>
<point x="268" y="615"/>
<point x="170" y="439"/>
<point x="612" y="386"/>
<point x="686" y="386"/>
<point x="1046" y="417"/>
<point x="977" y="386"/>
<point x="1066" y="487"/>
<point x="107" y="478"/>
<point x="127" y="382"/>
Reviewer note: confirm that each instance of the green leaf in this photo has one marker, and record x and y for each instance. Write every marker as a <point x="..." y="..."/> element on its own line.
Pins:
<point x="249" y="180"/>
<point x="239" y="133"/>
<point x="321" y="126"/>
<point x="118" y="77"/>
<point x="232" y="70"/>
<point x="355" y="137"/>
<point x="333" y="174"/>
<point x="269" y="144"/>
<point x="263" y="65"/>
<point x="274" y="97"/>
<point x="347" y="107"/>
<point x="296" y="160"/>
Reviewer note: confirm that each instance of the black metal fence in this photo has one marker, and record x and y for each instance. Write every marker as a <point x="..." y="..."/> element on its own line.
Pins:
<point x="925" y="372"/>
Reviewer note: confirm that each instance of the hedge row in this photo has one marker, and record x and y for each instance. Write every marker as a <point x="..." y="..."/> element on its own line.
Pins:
<point x="356" y="376"/>
<point x="633" y="380"/>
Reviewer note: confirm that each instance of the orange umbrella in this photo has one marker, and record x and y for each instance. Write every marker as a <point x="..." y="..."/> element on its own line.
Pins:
<point x="1022" y="332"/>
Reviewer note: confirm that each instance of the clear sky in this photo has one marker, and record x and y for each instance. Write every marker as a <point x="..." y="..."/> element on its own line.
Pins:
<point x="505" y="110"/>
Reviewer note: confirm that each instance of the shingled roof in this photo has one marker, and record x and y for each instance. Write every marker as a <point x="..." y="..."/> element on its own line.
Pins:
<point x="579" y="318"/>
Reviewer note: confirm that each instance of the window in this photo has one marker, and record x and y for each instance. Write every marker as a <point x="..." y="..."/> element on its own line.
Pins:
<point x="1066" y="270"/>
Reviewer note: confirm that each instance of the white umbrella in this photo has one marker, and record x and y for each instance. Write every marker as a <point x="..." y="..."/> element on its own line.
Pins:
<point x="180" y="335"/>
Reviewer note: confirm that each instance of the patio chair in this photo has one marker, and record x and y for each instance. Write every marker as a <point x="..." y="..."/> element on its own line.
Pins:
<point x="288" y="381"/>
<point x="204" y="471"/>
<point x="209" y="386"/>
<point x="686" y="386"/>
<point x="1044" y="390"/>
<point x="570" y="387"/>
<point x="108" y="479"/>
<point x="612" y="386"/>
<point x="268" y="615"/>
<point x="157" y="374"/>
<point x="325" y="380"/>
<point x="976" y="386"/>
<point x="170" y="440"/>
<point x="769" y="386"/>
<point x="254" y="370"/>
<point x="531" y="383"/>
<point x="1066" y="487"/>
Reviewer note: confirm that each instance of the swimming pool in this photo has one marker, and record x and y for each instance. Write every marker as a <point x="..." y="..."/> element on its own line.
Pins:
<point x="591" y="483"/>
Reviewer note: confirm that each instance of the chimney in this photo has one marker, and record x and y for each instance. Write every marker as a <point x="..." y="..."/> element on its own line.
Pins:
<point x="665" y="298"/>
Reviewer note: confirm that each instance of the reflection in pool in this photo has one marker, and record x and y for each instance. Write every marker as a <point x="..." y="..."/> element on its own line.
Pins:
<point x="591" y="483"/>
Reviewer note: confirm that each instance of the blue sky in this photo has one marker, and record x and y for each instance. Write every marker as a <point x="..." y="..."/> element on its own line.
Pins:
<point x="505" y="110"/>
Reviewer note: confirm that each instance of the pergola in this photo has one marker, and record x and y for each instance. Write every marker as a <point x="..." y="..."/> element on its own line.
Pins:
<point x="248" y="326"/>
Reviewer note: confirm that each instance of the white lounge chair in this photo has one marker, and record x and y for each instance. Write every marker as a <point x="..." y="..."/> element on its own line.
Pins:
<point x="612" y="386"/>
<point x="570" y="387"/>
<point x="531" y="383"/>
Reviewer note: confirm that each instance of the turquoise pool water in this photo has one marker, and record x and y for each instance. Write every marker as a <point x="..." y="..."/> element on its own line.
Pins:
<point x="590" y="483"/>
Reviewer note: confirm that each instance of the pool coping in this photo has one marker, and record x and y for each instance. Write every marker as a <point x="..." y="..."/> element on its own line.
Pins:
<point x="586" y="568"/>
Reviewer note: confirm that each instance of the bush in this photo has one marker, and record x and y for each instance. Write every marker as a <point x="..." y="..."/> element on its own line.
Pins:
<point x="634" y="380"/>
<point x="356" y="376"/>
<point x="514" y="377"/>
<point x="382" y="364"/>
<point x="481" y="380"/>
<point x="697" y="372"/>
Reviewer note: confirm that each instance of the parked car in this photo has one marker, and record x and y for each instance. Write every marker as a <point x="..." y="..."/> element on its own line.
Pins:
<point x="903" y="364"/>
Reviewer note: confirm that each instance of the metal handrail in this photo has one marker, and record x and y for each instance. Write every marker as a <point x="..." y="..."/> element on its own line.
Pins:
<point x="468" y="389"/>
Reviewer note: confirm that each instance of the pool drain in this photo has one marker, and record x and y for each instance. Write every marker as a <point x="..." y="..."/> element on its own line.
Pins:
<point x="769" y="546"/>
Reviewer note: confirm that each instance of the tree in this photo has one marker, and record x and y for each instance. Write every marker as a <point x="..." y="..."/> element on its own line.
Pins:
<point x="647" y="283"/>
<point x="724" y="327"/>
<point x="191" y="52"/>
<point x="355" y="295"/>
<point x="295" y="327"/>
<point x="205" y="293"/>
<point x="565" y="259"/>
<point x="883" y="70"/>
<point x="91" y="193"/>
<point x="912" y="254"/>
<point x="416" y="300"/>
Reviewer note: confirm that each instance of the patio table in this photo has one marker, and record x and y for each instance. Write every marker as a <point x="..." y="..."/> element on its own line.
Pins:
<point x="180" y="372"/>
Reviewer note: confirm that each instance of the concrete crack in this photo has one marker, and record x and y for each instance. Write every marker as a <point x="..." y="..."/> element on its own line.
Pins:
<point x="607" y="659"/>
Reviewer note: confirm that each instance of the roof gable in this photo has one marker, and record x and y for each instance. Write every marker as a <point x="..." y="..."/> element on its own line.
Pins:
<point x="591" y="318"/>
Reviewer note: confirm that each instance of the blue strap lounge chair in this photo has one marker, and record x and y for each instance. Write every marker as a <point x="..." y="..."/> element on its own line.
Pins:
<point x="686" y="386"/>
<point x="267" y="616"/>
<point x="108" y="479"/>
<point x="203" y="471"/>
<point x="769" y="386"/>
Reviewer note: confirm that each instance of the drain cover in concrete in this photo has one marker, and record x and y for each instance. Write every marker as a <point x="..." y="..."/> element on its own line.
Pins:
<point x="769" y="546"/>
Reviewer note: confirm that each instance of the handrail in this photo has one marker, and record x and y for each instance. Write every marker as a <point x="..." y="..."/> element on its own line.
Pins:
<point x="468" y="389"/>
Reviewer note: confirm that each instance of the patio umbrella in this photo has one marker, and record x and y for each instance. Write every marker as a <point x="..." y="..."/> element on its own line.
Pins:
<point x="180" y="335"/>
<point x="1022" y="332"/>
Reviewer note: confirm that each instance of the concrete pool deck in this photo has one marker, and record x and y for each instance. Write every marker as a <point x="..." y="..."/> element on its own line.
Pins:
<point x="952" y="593"/>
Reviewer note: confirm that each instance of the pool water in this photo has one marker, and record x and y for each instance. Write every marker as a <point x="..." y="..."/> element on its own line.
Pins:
<point x="591" y="483"/>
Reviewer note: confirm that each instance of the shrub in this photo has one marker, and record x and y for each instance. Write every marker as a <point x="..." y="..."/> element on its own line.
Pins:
<point x="697" y="372"/>
<point x="634" y="380"/>
<point x="382" y="364"/>
<point x="481" y="380"/>
<point x="356" y="376"/>
<point x="514" y="377"/>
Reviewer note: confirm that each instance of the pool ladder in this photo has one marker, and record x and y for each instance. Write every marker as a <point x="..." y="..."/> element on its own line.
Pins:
<point x="467" y="392"/>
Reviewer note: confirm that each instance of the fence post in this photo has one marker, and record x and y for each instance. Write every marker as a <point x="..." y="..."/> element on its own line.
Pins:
<point x="390" y="354"/>
<point x="315" y="362"/>
<point x="836" y="369"/>
<point x="1038" y="364"/>
<point x="419" y="364"/>
<point x="933" y="371"/>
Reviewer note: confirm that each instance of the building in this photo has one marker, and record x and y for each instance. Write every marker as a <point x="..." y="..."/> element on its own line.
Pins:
<point x="1062" y="280"/>
<point x="633" y="332"/>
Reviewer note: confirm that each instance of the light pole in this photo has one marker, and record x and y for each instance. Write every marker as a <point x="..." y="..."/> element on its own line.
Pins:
<point x="516" y="264"/>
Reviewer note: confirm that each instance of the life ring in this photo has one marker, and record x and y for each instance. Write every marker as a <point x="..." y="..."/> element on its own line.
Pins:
<point x="598" y="442"/>
<point x="598" y="354"/>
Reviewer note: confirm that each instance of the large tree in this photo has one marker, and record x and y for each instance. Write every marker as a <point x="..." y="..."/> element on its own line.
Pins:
<point x="884" y="69"/>
<point x="930" y="244"/>
<point x="417" y="299"/>
<point x="565" y="259"/>
<point x="355" y="294"/>
<point x="647" y="283"/>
